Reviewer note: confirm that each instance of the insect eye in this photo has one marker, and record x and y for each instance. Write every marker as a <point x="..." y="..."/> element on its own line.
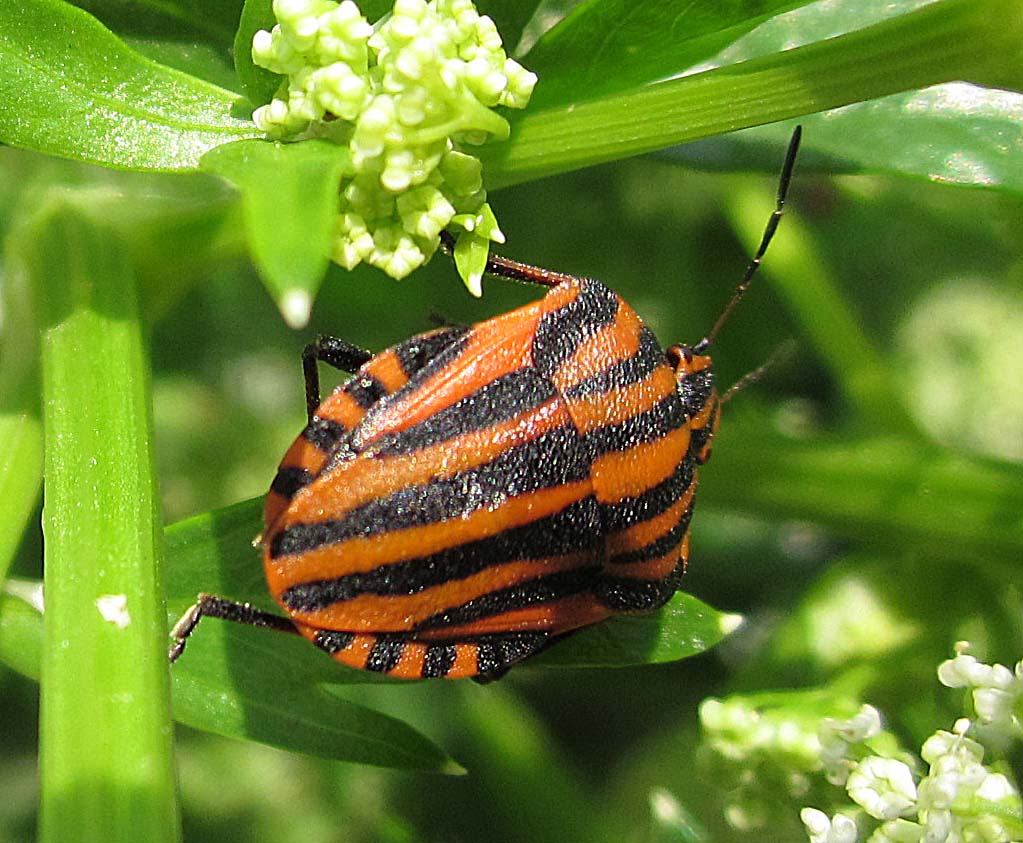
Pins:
<point x="679" y="355"/>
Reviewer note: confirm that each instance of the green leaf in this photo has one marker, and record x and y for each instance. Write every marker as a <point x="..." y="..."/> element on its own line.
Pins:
<point x="511" y="17"/>
<point x="21" y="477"/>
<point x="977" y="40"/>
<point x="608" y="46"/>
<point x="104" y="595"/>
<point x="179" y="19"/>
<point x="290" y="200"/>
<point x="684" y="627"/>
<point x="69" y="87"/>
<point x="258" y="83"/>
<point x="889" y="492"/>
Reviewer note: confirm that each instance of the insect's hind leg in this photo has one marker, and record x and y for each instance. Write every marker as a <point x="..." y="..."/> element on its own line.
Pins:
<point x="334" y="352"/>
<point x="210" y="606"/>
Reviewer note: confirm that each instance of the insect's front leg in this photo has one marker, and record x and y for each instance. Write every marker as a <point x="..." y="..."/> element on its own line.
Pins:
<point x="334" y="352"/>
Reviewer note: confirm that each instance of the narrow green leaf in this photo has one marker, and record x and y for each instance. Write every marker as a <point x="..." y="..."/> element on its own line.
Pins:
<point x="21" y="477"/>
<point x="250" y="689"/>
<point x="890" y="492"/>
<point x="948" y="40"/>
<point x="290" y="200"/>
<point x="684" y="627"/>
<point x="103" y="662"/>
<point x="70" y="87"/>
<point x="608" y="46"/>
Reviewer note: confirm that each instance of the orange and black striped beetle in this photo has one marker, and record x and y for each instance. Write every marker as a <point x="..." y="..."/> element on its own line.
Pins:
<point x="472" y="495"/>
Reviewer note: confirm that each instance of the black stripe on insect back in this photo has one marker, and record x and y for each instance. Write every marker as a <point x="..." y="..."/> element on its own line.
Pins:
<point x="500" y="400"/>
<point x="632" y="369"/>
<point x="385" y="654"/>
<point x="366" y="390"/>
<point x="552" y="459"/>
<point x="574" y="529"/>
<point x="333" y="641"/>
<point x="658" y="547"/>
<point x="495" y="652"/>
<point x="654" y="501"/>
<point x="414" y="353"/>
<point x="559" y="333"/>
<point x="289" y="479"/>
<point x="696" y="389"/>
<point x="324" y="434"/>
<point x="438" y="660"/>
<point x="530" y="593"/>
<point x="660" y="420"/>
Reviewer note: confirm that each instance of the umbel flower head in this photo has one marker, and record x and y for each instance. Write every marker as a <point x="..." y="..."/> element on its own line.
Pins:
<point x="406" y="97"/>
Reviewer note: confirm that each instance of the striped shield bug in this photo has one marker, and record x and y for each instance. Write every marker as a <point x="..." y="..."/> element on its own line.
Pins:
<point x="472" y="495"/>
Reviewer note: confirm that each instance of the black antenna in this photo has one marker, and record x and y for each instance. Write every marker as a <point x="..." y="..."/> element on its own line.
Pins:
<point x="772" y="226"/>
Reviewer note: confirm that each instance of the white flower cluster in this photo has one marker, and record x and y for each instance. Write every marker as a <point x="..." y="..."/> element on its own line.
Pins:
<point x="405" y="97"/>
<point x="958" y="800"/>
<point x="996" y="694"/>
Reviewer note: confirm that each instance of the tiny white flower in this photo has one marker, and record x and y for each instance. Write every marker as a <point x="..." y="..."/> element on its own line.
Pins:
<point x="897" y="831"/>
<point x="883" y="787"/>
<point x="823" y="829"/>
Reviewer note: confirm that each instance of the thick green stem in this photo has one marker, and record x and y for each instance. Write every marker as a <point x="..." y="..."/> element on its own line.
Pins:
<point x="105" y="733"/>
<point x="973" y="40"/>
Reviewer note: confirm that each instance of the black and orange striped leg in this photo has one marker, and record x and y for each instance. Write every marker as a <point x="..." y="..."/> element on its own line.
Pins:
<point x="210" y="606"/>
<point x="334" y="352"/>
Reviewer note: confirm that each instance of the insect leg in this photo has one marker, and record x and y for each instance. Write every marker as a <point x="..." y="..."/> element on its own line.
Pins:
<point x="334" y="352"/>
<point x="516" y="271"/>
<point x="209" y="606"/>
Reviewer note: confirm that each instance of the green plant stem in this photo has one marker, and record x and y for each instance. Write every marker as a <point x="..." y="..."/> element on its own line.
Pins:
<point x="105" y="732"/>
<point x="974" y="40"/>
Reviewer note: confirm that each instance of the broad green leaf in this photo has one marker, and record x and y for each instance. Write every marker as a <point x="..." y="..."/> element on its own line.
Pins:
<point x="684" y="627"/>
<point x="258" y="83"/>
<point x="511" y="17"/>
<point x="70" y="87"/>
<point x="609" y="46"/>
<point x="215" y="22"/>
<point x="290" y="204"/>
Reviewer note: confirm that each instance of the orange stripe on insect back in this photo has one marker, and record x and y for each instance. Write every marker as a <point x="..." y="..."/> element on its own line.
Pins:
<point x="557" y="616"/>
<point x="465" y="663"/>
<point x="387" y="369"/>
<point x="625" y="474"/>
<point x="340" y="407"/>
<point x="493" y="348"/>
<point x="373" y="613"/>
<point x="700" y="420"/>
<point x="411" y="663"/>
<point x="611" y="344"/>
<point x="595" y="411"/>
<point x="365" y="478"/>
<point x="640" y="535"/>
<point x="366" y="553"/>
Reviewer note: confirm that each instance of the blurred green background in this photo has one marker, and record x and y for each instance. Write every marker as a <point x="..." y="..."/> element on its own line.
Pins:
<point x="933" y="276"/>
<point x="862" y="509"/>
